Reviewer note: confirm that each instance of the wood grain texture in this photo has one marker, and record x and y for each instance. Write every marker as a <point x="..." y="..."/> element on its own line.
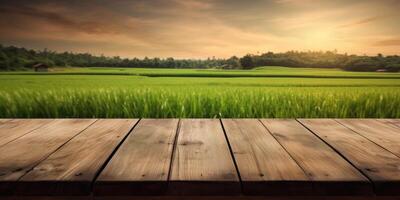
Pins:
<point x="384" y="135"/>
<point x="142" y="163"/>
<point x="4" y="120"/>
<point x="21" y="155"/>
<point x="72" y="168"/>
<point x="264" y="166"/>
<point x="330" y="173"/>
<point x="202" y="161"/>
<point x="381" y="166"/>
<point x="391" y="122"/>
<point x="274" y="157"/>
<point x="13" y="129"/>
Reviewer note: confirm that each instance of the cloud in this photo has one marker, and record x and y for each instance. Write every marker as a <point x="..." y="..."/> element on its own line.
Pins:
<point x="292" y="1"/>
<point x="196" y="28"/>
<point x="54" y="18"/>
<point x="388" y="42"/>
<point x="360" y="22"/>
<point x="195" y="4"/>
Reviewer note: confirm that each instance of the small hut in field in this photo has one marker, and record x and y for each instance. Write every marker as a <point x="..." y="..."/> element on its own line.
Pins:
<point x="40" y="67"/>
<point x="381" y="70"/>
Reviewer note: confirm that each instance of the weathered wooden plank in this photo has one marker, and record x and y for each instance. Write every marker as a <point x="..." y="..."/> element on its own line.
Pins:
<point x="202" y="162"/>
<point x="142" y="163"/>
<point x="384" y="135"/>
<point x="71" y="169"/>
<point x="381" y="166"/>
<point x="391" y="122"/>
<point x="331" y="174"/>
<point x="13" y="129"/>
<point x="4" y="120"/>
<point x="264" y="166"/>
<point x="21" y="155"/>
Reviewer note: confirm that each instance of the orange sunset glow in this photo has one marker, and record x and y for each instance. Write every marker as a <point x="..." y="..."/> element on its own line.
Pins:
<point x="202" y="28"/>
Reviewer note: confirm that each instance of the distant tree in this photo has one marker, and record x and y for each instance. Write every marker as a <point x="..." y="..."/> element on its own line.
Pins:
<point x="4" y="61"/>
<point x="393" y="68"/>
<point x="233" y="63"/>
<point x="247" y="62"/>
<point x="170" y="63"/>
<point x="363" y="64"/>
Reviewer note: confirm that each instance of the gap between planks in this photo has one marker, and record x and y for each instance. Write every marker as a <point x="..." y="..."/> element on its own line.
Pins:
<point x="375" y="162"/>
<point x="231" y="152"/>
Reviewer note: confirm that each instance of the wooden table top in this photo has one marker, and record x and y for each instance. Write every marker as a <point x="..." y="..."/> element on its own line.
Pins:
<point x="175" y="157"/>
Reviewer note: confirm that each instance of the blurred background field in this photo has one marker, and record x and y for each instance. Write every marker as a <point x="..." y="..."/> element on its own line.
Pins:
<point x="269" y="71"/>
<point x="157" y="93"/>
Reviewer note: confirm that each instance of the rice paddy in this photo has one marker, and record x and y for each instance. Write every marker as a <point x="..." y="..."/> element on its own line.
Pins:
<point x="289" y="93"/>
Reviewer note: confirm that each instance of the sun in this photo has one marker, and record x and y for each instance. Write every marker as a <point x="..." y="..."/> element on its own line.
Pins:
<point x="319" y="39"/>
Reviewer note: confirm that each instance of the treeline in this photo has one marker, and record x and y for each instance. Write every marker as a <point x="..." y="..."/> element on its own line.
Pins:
<point x="14" y="58"/>
<point x="319" y="59"/>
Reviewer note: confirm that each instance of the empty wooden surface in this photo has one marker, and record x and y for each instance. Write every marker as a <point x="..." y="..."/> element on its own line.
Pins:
<point x="16" y="128"/>
<point x="380" y="165"/>
<point x="141" y="165"/>
<point x="21" y="155"/>
<point x="111" y="158"/>
<point x="4" y="120"/>
<point x="202" y="161"/>
<point x="390" y="122"/>
<point x="394" y="122"/>
<point x="384" y="135"/>
<point x="330" y="173"/>
<point x="72" y="169"/>
<point x="264" y="165"/>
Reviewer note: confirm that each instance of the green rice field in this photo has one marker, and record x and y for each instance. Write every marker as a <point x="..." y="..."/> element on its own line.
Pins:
<point x="268" y="92"/>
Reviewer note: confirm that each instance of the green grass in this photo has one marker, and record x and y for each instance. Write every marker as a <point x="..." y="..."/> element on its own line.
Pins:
<point x="98" y="92"/>
<point x="271" y="71"/>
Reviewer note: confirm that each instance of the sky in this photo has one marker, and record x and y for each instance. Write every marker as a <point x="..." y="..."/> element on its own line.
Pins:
<point x="201" y="28"/>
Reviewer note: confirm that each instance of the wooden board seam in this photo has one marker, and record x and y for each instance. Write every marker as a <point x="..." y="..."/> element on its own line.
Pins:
<point x="203" y="162"/>
<point x="341" y="155"/>
<point x="362" y="135"/>
<point x="174" y="145"/>
<point x="103" y="166"/>
<point x="36" y="164"/>
<point x="341" y="125"/>
<point x="232" y="155"/>
<point x="269" y="132"/>
<point x="26" y="132"/>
